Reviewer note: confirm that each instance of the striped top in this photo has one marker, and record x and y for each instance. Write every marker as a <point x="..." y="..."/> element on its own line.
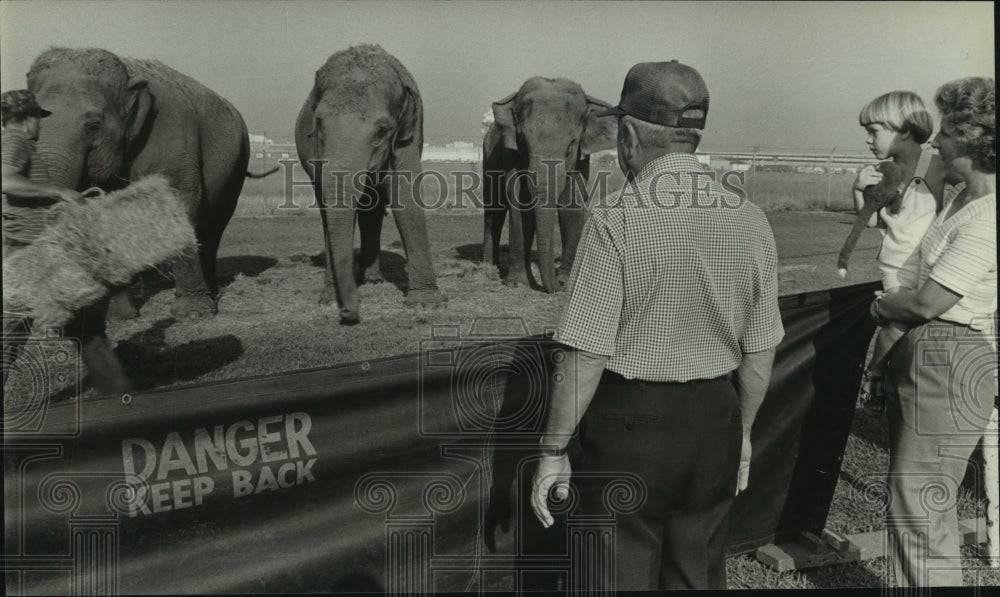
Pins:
<point x="960" y="253"/>
<point x="671" y="283"/>
<point x="23" y="218"/>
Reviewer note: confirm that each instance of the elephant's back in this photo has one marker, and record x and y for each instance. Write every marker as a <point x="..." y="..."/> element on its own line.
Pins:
<point x="183" y="103"/>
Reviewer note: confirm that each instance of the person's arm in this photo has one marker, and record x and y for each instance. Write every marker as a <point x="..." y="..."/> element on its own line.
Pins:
<point x="587" y="330"/>
<point x="579" y="374"/>
<point x="916" y="306"/>
<point x="751" y="380"/>
<point x="968" y="260"/>
<point x="18" y="185"/>
<point x="867" y="176"/>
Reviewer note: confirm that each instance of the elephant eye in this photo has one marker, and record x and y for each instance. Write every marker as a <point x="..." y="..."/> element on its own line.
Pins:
<point x="92" y="127"/>
<point x="381" y="134"/>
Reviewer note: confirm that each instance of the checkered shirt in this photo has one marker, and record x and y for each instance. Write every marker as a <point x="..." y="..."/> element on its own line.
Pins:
<point x="671" y="284"/>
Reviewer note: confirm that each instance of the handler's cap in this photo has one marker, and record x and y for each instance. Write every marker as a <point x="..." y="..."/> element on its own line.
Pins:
<point x="665" y="93"/>
<point x="21" y="103"/>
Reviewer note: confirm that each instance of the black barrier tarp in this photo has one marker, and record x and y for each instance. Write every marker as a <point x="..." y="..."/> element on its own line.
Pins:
<point x="406" y="473"/>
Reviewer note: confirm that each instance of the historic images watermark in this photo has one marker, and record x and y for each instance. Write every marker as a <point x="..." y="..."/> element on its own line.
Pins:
<point x="464" y="189"/>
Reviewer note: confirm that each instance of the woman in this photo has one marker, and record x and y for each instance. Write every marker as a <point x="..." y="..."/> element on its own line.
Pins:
<point x="940" y="382"/>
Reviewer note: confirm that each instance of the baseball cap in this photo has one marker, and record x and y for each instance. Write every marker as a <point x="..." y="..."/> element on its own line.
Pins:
<point x="661" y="93"/>
<point x="21" y="103"/>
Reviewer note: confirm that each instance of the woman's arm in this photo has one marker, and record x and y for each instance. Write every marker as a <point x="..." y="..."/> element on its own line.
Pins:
<point x="916" y="306"/>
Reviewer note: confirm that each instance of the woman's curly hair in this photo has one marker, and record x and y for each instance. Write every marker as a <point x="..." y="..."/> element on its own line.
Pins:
<point x="970" y="106"/>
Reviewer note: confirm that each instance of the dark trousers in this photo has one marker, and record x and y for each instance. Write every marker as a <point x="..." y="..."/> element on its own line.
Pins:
<point x="682" y="441"/>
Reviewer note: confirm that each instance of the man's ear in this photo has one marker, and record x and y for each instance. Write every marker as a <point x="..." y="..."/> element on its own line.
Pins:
<point x="140" y="107"/>
<point x="503" y="116"/>
<point x="628" y="141"/>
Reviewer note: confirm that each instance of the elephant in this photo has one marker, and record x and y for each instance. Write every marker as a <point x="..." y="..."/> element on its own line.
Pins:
<point x="548" y="124"/>
<point x="363" y="121"/>
<point x="117" y="119"/>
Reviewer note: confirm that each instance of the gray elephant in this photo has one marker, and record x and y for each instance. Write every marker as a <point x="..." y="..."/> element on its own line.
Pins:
<point x="363" y="121"/>
<point x="541" y="137"/>
<point x="115" y="120"/>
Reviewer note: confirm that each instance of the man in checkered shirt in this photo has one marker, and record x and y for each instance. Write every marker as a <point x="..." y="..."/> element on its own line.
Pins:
<point x="670" y="329"/>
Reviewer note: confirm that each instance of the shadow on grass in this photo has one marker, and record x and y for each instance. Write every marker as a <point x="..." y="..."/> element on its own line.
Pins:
<point x="474" y="252"/>
<point x="150" y="363"/>
<point x="249" y="266"/>
<point x="153" y="281"/>
<point x="392" y="265"/>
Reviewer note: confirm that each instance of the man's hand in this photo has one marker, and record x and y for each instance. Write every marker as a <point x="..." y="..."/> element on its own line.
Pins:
<point x="744" y="473"/>
<point x="552" y="471"/>
<point x="867" y="176"/>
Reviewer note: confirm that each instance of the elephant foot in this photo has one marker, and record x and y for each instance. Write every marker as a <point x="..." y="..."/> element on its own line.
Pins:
<point x="427" y="297"/>
<point x="104" y="370"/>
<point x="193" y="306"/>
<point x="121" y="307"/>
<point x="373" y="276"/>
<point x="516" y="280"/>
<point x="349" y="318"/>
<point x="562" y="281"/>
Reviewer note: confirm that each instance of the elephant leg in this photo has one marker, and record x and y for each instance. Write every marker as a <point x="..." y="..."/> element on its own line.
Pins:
<point x="494" y="214"/>
<point x="522" y="237"/>
<point x="192" y="296"/>
<point x="341" y="286"/>
<point x="370" y="217"/>
<point x="104" y="370"/>
<point x="412" y="226"/>
<point x="571" y="221"/>
<point x="208" y="251"/>
<point x="518" y="244"/>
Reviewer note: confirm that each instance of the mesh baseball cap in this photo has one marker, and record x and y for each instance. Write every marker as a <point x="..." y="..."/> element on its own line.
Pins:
<point x="21" y="103"/>
<point x="662" y="93"/>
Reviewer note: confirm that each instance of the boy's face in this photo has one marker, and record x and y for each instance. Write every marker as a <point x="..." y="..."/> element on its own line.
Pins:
<point x="880" y="139"/>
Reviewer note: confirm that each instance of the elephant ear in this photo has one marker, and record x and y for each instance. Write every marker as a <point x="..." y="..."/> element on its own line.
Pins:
<point x="140" y="108"/>
<point x="599" y="132"/>
<point x="506" y="122"/>
<point x="409" y="118"/>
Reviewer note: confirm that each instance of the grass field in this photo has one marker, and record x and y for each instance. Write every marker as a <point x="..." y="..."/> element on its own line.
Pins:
<point x="270" y="321"/>
<point x="773" y="191"/>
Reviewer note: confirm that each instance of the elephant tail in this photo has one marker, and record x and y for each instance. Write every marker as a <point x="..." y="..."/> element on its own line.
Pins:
<point x="262" y="174"/>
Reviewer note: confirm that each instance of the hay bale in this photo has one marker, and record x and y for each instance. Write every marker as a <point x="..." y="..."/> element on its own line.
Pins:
<point x="94" y="245"/>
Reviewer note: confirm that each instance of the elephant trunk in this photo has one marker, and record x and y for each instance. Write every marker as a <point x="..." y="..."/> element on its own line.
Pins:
<point x="52" y="165"/>
<point x="549" y="188"/>
<point x="339" y="218"/>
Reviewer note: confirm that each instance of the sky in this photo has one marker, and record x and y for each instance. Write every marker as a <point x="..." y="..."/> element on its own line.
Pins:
<point x="782" y="75"/>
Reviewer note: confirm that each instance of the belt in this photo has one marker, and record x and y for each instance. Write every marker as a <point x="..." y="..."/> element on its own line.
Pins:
<point x="615" y="379"/>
